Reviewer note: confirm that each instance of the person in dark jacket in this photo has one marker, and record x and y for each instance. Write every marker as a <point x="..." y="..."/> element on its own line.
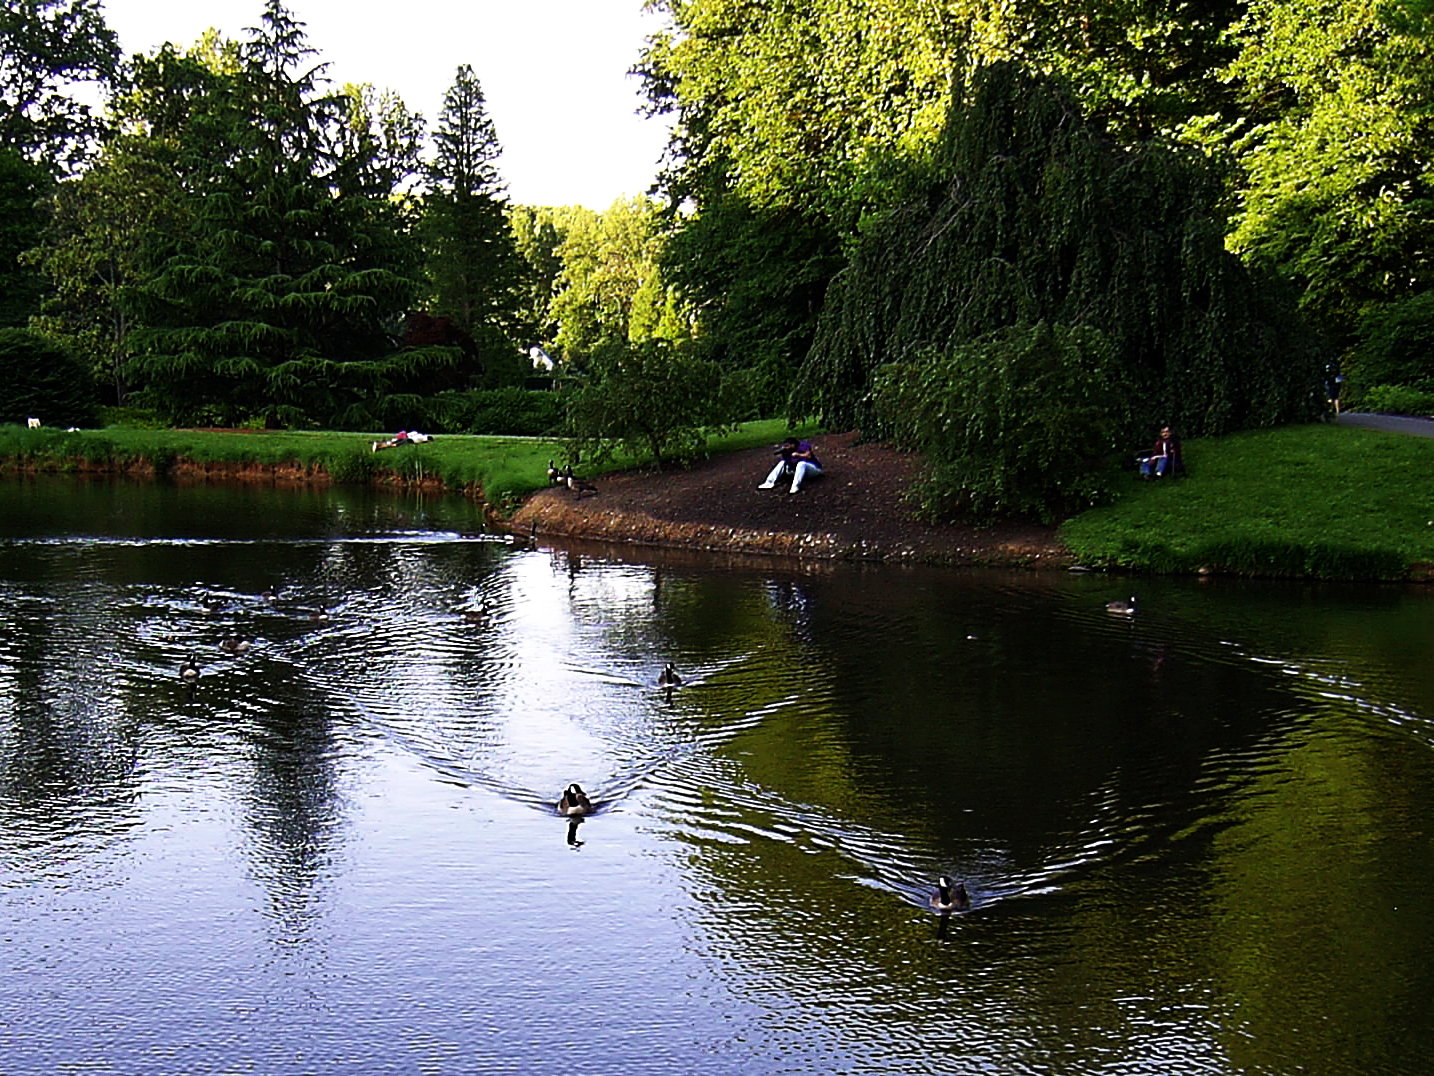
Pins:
<point x="799" y="460"/>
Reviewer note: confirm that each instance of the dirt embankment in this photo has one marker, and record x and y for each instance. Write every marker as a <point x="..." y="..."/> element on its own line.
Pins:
<point x="855" y="511"/>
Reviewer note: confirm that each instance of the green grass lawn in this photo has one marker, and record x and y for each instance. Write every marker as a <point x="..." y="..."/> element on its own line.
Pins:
<point x="1320" y="500"/>
<point x="505" y="468"/>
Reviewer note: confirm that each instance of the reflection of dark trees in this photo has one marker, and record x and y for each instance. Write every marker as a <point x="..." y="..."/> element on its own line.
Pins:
<point x="991" y="711"/>
<point x="292" y="805"/>
<point x="66" y="774"/>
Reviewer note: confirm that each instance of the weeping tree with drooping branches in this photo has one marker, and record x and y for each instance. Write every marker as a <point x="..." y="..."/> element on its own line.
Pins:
<point x="1044" y="218"/>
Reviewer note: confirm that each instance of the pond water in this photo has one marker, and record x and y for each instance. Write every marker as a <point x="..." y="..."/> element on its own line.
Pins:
<point x="1196" y="840"/>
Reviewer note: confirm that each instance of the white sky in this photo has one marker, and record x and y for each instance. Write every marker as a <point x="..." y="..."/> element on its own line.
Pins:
<point x="554" y="73"/>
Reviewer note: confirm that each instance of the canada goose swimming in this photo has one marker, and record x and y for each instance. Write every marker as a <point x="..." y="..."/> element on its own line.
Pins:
<point x="235" y="645"/>
<point x="1121" y="607"/>
<point x="949" y="897"/>
<point x="668" y="678"/>
<point x="574" y="801"/>
<point x="189" y="669"/>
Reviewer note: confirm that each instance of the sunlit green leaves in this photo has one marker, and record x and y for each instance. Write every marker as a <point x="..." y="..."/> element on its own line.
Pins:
<point x="1339" y="155"/>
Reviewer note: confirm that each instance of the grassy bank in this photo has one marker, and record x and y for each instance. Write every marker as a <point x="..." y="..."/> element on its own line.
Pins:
<point x="505" y="469"/>
<point x="1320" y="501"/>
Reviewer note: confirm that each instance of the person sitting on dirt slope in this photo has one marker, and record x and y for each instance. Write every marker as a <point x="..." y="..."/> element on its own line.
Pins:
<point x="799" y="459"/>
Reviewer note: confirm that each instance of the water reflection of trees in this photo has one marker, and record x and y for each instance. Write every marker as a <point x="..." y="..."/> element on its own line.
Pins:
<point x="292" y="805"/>
<point x="67" y="748"/>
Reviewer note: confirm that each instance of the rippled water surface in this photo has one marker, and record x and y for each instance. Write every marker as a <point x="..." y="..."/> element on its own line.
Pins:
<point x="1197" y="840"/>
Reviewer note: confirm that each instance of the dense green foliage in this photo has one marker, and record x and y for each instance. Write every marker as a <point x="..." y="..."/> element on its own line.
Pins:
<point x="1044" y="218"/>
<point x="22" y="184"/>
<point x="102" y="228"/>
<point x="538" y="233"/>
<point x="610" y="290"/>
<point x="43" y="380"/>
<point x="649" y="399"/>
<point x="1017" y="423"/>
<point x="1398" y="400"/>
<point x="1396" y="349"/>
<point x="1335" y="143"/>
<point x="47" y="46"/>
<point x="757" y="277"/>
<point x="796" y="125"/>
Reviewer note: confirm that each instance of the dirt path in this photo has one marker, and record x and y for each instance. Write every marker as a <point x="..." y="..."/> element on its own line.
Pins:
<point x="854" y="511"/>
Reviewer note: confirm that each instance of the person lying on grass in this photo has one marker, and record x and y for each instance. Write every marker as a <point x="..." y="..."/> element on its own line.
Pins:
<point x="404" y="437"/>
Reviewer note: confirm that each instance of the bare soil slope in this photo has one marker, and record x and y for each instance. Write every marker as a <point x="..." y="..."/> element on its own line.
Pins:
<point x="854" y="511"/>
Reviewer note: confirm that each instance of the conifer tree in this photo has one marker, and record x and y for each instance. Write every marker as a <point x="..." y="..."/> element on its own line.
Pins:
<point x="473" y="268"/>
<point x="274" y="302"/>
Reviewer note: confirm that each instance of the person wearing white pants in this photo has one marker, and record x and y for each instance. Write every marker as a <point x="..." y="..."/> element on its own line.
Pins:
<point x="800" y="459"/>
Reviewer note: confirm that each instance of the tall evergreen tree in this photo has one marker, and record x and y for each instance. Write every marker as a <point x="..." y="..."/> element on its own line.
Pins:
<point x="474" y="271"/>
<point x="276" y="300"/>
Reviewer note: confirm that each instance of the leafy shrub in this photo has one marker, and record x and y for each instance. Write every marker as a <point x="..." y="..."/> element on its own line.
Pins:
<point x="1021" y="422"/>
<point x="650" y="399"/>
<point x="510" y="411"/>
<point x="1399" y="399"/>
<point x="1396" y="347"/>
<point x="43" y="380"/>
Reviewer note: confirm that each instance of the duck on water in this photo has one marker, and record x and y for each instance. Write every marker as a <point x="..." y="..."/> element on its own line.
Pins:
<point x="574" y="801"/>
<point x="950" y="897"/>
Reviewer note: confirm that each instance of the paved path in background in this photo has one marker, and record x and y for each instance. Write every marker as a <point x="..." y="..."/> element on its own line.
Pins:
<point x="1419" y="427"/>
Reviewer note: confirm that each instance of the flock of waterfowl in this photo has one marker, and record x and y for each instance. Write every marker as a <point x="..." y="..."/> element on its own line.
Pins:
<point x="575" y="804"/>
<point x="565" y="477"/>
<point x="234" y="645"/>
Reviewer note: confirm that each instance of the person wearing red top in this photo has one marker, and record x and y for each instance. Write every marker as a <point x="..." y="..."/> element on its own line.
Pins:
<point x="1164" y="458"/>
